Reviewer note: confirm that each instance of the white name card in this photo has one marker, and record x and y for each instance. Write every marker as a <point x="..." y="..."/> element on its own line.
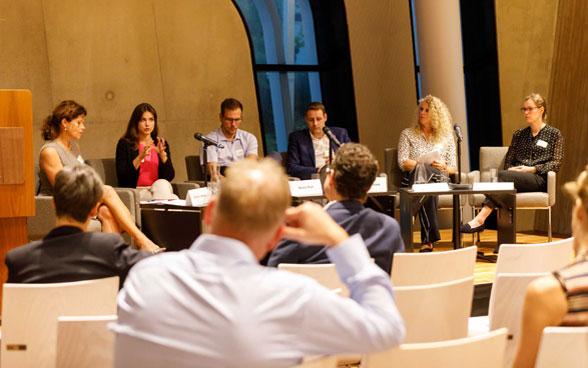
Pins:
<point x="494" y="186"/>
<point x="431" y="187"/>
<point x="198" y="197"/>
<point x="306" y="188"/>
<point x="380" y="185"/>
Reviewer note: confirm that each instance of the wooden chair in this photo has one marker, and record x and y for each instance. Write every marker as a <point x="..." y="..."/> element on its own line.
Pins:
<point x="85" y="341"/>
<point x="505" y="310"/>
<point x="318" y="362"/>
<point x="324" y="274"/>
<point x="529" y="258"/>
<point x="563" y="347"/>
<point x="30" y="311"/>
<point x="411" y="269"/>
<point x="435" y="312"/>
<point x="484" y="351"/>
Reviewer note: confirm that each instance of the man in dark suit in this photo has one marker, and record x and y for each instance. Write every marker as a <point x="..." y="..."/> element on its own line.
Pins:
<point x="353" y="172"/>
<point x="68" y="252"/>
<point x="308" y="149"/>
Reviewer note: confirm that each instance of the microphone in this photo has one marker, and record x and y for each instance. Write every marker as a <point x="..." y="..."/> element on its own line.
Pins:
<point x="458" y="133"/>
<point x="331" y="136"/>
<point x="207" y="141"/>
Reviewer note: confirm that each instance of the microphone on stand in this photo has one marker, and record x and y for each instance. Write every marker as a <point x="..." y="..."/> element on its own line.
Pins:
<point x="331" y="136"/>
<point x="458" y="132"/>
<point x="207" y="141"/>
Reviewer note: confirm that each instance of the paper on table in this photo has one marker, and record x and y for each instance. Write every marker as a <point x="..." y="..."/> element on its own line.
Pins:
<point x="427" y="158"/>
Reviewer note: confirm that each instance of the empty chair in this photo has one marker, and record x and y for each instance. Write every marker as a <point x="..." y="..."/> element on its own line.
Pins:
<point x="85" y="341"/>
<point x="435" y="312"/>
<point x="30" y="311"/>
<point x="527" y="258"/>
<point x="484" y="351"/>
<point x="193" y="168"/>
<point x="563" y="347"/>
<point x="324" y="274"/>
<point x="410" y="269"/>
<point x="318" y="362"/>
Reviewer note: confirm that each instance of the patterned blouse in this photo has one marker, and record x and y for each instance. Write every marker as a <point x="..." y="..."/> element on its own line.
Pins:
<point x="574" y="282"/>
<point x="412" y="145"/>
<point x="544" y="151"/>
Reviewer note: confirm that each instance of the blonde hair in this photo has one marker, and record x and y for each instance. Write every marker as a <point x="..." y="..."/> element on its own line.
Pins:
<point x="254" y="196"/>
<point x="441" y="120"/>
<point x="539" y="102"/>
<point x="579" y="189"/>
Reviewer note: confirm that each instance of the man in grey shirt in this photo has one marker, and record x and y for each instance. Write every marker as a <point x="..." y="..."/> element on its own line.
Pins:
<point x="213" y="305"/>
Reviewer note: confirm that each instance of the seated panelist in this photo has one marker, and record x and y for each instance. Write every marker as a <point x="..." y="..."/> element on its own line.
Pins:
<point x="237" y="144"/>
<point x="143" y="159"/>
<point x="308" y="149"/>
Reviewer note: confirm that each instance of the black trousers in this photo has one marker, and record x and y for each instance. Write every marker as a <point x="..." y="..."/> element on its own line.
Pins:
<point x="523" y="182"/>
<point x="428" y="211"/>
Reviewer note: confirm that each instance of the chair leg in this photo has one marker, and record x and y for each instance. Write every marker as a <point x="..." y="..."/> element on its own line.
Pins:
<point x="473" y="234"/>
<point x="549" y="230"/>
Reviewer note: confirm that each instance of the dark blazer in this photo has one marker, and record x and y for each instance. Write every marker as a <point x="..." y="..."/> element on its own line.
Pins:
<point x="380" y="233"/>
<point x="125" y="170"/>
<point x="69" y="254"/>
<point x="301" y="162"/>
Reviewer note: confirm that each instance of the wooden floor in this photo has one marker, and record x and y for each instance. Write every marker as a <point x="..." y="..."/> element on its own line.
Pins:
<point x="484" y="271"/>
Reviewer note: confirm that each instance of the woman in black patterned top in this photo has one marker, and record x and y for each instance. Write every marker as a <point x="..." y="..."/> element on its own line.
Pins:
<point x="533" y="152"/>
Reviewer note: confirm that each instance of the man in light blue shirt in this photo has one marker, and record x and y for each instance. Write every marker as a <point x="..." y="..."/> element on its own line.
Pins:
<point x="213" y="305"/>
<point x="237" y="144"/>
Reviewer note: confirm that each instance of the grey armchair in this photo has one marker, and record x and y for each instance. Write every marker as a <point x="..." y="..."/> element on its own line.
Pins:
<point x="493" y="158"/>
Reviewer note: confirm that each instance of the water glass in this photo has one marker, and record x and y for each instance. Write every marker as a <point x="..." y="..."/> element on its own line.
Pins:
<point x="494" y="175"/>
<point x="444" y="176"/>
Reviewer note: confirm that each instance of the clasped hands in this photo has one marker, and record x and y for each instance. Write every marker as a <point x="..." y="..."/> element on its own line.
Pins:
<point x="522" y="168"/>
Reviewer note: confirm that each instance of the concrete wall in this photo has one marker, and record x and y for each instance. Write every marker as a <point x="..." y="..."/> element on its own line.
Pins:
<point x="182" y="56"/>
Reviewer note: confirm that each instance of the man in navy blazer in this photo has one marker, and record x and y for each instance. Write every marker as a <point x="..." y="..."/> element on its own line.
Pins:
<point x="308" y="149"/>
<point x="353" y="172"/>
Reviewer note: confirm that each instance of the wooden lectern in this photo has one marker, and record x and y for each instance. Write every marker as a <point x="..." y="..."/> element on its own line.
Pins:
<point x="16" y="171"/>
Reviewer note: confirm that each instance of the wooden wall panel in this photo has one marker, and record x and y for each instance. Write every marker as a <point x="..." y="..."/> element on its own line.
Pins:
<point x="568" y="93"/>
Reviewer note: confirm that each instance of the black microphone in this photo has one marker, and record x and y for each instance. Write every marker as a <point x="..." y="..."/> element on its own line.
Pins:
<point x="458" y="133"/>
<point x="207" y="141"/>
<point x="331" y="136"/>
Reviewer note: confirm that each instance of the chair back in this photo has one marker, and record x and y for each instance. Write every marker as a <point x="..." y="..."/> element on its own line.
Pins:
<point x="193" y="168"/>
<point x="410" y="269"/>
<point x="30" y="311"/>
<point x="85" y="341"/>
<point x="318" y="362"/>
<point x="563" y="347"/>
<point x="105" y="168"/>
<point x="391" y="167"/>
<point x="324" y="274"/>
<point x="491" y="158"/>
<point x="528" y="258"/>
<point x="482" y="351"/>
<point x="435" y="312"/>
<point x="506" y="307"/>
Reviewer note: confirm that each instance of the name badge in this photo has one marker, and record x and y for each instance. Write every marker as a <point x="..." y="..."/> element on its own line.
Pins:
<point x="542" y="143"/>
<point x="380" y="185"/>
<point x="306" y="188"/>
<point x="80" y="159"/>
<point x="198" y="197"/>
<point x="239" y="153"/>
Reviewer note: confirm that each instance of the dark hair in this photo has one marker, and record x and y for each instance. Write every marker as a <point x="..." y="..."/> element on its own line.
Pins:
<point x="77" y="190"/>
<point x="355" y="169"/>
<point x="315" y="106"/>
<point x="132" y="135"/>
<point x="68" y="110"/>
<point x="230" y="104"/>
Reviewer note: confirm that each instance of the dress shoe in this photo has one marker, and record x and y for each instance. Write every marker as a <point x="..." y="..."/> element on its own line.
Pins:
<point x="426" y="250"/>
<point x="466" y="228"/>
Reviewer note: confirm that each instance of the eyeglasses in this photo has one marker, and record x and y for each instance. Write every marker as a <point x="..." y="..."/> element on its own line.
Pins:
<point x="229" y="120"/>
<point x="528" y="109"/>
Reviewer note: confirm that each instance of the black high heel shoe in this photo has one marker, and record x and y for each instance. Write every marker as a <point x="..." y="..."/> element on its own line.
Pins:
<point x="467" y="229"/>
<point x="427" y="250"/>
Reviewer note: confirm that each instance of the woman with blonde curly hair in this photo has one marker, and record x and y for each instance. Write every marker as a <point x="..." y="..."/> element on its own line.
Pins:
<point x="431" y="132"/>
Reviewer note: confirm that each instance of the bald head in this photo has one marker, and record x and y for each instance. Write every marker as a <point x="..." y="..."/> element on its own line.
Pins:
<point x="253" y="198"/>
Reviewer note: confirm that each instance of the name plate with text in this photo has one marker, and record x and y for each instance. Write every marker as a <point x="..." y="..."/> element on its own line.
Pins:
<point x="380" y="185"/>
<point x="494" y="186"/>
<point x="198" y="197"/>
<point x="306" y="188"/>
<point x="432" y="187"/>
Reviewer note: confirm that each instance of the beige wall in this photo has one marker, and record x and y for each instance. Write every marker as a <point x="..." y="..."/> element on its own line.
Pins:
<point x="380" y="39"/>
<point x="182" y="56"/>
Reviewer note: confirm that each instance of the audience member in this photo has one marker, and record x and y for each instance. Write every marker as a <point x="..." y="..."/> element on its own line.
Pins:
<point x="68" y="252"/>
<point x="143" y="159"/>
<point x="562" y="298"/>
<point x="237" y="144"/>
<point x="61" y="128"/>
<point x="431" y="136"/>
<point x="533" y="152"/>
<point x="213" y="305"/>
<point x="351" y="175"/>
<point x="308" y="149"/>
